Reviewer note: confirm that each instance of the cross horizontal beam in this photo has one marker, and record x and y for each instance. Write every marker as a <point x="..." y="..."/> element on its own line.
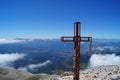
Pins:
<point x="72" y="39"/>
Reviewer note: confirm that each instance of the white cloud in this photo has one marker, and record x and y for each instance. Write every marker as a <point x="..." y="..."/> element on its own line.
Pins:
<point x="23" y="68"/>
<point x="7" y="59"/>
<point x="105" y="48"/>
<point x="4" y="40"/>
<point x="33" y="66"/>
<point x="104" y="59"/>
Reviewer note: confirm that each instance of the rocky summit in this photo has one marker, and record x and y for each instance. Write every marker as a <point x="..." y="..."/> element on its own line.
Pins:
<point x="108" y="72"/>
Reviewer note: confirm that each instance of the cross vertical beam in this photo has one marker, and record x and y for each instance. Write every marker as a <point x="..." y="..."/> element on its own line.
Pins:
<point x="76" y="56"/>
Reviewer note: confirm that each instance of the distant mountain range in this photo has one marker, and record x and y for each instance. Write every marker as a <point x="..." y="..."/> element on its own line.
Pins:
<point x="49" y="55"/>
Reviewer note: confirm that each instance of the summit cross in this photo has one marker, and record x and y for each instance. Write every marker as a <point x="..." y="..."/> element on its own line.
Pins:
<point x="77" y="39"/>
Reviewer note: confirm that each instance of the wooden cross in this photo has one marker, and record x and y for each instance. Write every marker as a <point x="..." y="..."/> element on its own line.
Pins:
<point x="76" y="56"/>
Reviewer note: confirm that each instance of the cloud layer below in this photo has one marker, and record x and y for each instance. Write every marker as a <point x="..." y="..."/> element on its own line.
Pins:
<point x="5" y="41"/>
<point x="105" y="48"/>
<point x="7" y="59"/>
<point x="33" y="66"/>
<point x="104" y="59"/>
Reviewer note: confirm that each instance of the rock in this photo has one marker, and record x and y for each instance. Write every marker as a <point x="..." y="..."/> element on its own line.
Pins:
<point x="115" y="77"/>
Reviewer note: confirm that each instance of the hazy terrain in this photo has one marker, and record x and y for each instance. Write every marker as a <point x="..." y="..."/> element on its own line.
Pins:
<point x="53" y="56"/>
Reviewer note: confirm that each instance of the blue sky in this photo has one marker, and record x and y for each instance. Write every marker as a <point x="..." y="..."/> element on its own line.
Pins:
<point x="54" y="18"/>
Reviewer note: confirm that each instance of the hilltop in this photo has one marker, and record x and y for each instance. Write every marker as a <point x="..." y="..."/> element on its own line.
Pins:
<point x="109" y="72"/>
<point x="13" y="74"/>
